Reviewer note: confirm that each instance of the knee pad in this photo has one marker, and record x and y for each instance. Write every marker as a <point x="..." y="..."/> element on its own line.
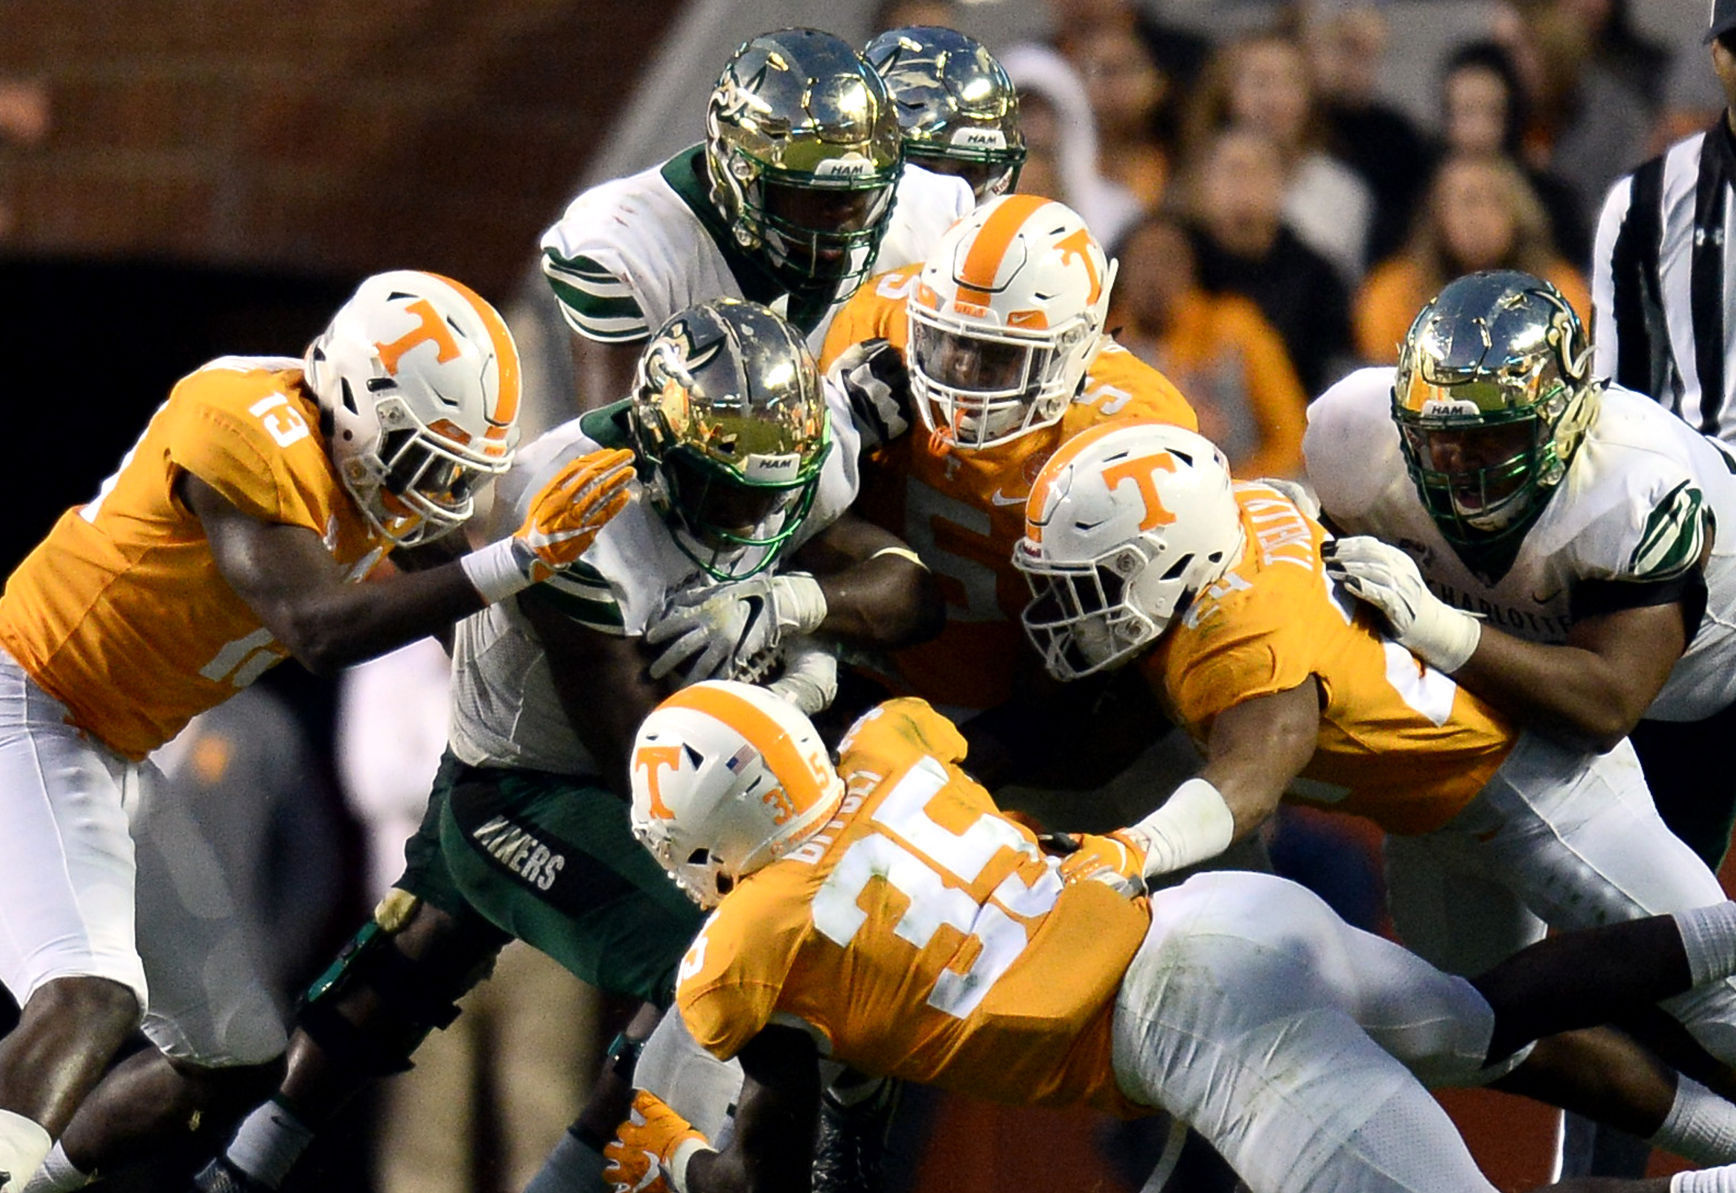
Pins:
<point x="421" y="994"/>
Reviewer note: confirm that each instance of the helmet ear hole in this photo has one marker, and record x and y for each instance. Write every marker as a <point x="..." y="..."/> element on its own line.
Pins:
<point x="348" y="396"/>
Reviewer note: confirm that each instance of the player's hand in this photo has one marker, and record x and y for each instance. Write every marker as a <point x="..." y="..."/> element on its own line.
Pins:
<point x="810" y="676"/>
<point x="874" y="378"/>
<point x="1299" y="494"/>
<point x="1116" y="860"/>
<point x="568" y="511"/>
<point x="733" y="631"/>
<point x="651" y="1144"/>
<point x="1388" y="579"/>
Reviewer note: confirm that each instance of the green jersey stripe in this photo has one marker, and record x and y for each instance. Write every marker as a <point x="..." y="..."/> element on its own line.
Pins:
<point x="1674" y="535"/>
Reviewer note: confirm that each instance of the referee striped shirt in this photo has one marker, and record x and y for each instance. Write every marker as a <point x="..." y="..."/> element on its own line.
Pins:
<point x="1662" y="287"/>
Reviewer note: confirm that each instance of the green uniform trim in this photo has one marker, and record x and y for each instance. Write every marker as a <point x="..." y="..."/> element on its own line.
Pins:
<point x="1674" y="535"/>
<point x="552" y="860"/>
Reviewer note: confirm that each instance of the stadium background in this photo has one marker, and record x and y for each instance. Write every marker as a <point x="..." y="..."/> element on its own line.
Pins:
<point x="181" y="179"/>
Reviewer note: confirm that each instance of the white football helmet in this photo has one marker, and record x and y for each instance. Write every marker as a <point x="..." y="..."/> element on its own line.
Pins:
<point x="1005" y="315"/>
<point x="727" y="777"/>
<point x="1126" y="522"/>
<point x="418" y="383"/>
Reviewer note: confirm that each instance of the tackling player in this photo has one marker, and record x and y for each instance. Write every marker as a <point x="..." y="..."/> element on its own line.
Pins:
<point x="795" y="193"/>
<point x="883" y="913"/>
<point x="964" y="374"/>
<point x="1139" y="547"/>
<point x="234" y="535"/>
<point x="744" y="459"/>
<point x="1564" y="544"/>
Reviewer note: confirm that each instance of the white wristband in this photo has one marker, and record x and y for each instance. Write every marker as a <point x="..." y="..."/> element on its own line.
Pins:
<point x="684" y="1153"/>
<point x="1446" y="639"/>
<point x="494" y="571"/>
<point x="1193" y="824"/>
<point x="801" y="603"/>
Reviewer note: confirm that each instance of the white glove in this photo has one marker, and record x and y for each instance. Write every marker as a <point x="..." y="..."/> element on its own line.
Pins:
<point x="735" y="629"/>
<point x="810" y="677"/>
<point x="1296" y="491"/>
<point x="1387" y="578"/>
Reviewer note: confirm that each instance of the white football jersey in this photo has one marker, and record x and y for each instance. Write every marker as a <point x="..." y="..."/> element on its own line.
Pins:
<point x="1632" y="507"/>
<point x="505" y="710"/>
<point x="629" y="253"/>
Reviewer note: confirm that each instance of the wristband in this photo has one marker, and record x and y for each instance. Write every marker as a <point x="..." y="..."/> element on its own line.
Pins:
<point x="684" y="1153"/>
<point x="494" y="571"/>
<point x="801" y="603"/>
<point x="1192" y="825"/>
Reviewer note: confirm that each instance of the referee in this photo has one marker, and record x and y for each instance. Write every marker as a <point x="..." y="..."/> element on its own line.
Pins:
<point x="1661" y="280"/>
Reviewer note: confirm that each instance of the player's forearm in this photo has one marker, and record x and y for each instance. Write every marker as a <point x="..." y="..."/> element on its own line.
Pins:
<point x="1568" y="693"/>
<point x="345" y="624"/>
<point x="887" y="601"/>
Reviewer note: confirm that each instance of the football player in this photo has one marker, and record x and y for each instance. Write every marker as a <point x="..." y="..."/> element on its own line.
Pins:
<point x="958" y="110"/>
<point x="882" y="912"/>
<point x="795" y="193"/>
<point x="1554" y="544"/>
<point x="1141" y="549"/>
<point x="233" y="536"/>
<point x="745" y="458"/>
<point x="1555" y="535"/>
<point x="964" y="374"/>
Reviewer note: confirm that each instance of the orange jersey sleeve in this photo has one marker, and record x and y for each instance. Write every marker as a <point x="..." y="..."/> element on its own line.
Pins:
<point x="121" y="613"/>
<point x="923" y="935"/>
<point x="1399" y="742"/>
<point x="874" y="312"/>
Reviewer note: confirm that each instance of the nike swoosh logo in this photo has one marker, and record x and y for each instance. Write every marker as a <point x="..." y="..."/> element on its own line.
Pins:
<point x="998" y="498"/>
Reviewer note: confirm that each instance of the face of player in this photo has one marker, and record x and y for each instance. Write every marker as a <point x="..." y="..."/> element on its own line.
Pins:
<point x="1487" y="465"/>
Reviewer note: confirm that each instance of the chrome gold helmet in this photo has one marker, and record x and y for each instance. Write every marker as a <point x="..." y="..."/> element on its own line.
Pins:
<point x="957" y="107"/>
<point x="730" y="425"/>
<point x="802" y="152"/>
<point x="1492" y="397"/>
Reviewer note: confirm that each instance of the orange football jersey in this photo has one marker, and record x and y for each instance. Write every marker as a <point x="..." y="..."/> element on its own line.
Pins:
<point x="121" y="614"/>
<point x="923" y="935"/>
<point x="962" y="511"/>
<point x="1400" y="742"/>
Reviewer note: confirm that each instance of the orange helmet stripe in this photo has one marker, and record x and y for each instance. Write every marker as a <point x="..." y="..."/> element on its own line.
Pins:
<point x="795" y="772"/>
<point x="976" y="277"/>
<point x="1064" y="456"/>
<point x="505" y="353"/>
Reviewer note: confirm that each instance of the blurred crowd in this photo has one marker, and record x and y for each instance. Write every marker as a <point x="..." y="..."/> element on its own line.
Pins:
<point x="1280" y="222"/>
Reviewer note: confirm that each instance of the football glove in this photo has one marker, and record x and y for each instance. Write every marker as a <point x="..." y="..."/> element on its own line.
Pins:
<point x="651" y="1148"/>
<point x="810" y="676"/>
<point x="1388" y="579"/>
<point x="562" y="523"/>
<point x="1116" y="860"/>
<point x="733" y="631"/>
<point x="874" y="378"/>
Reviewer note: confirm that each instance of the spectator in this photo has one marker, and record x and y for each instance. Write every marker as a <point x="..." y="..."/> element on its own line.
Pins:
<point x="1218" y="349"/>
<point x="1263" y="82"/>
<point x="1345" y="45"/>
<point x="1235" y="196"/>
<point x="1061" y="141"/>
<point x="1597" y="84"/>
<point x="1479" y="214"/>
<point x="1484" y="109"/>
<point x="1130" y="96"/>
